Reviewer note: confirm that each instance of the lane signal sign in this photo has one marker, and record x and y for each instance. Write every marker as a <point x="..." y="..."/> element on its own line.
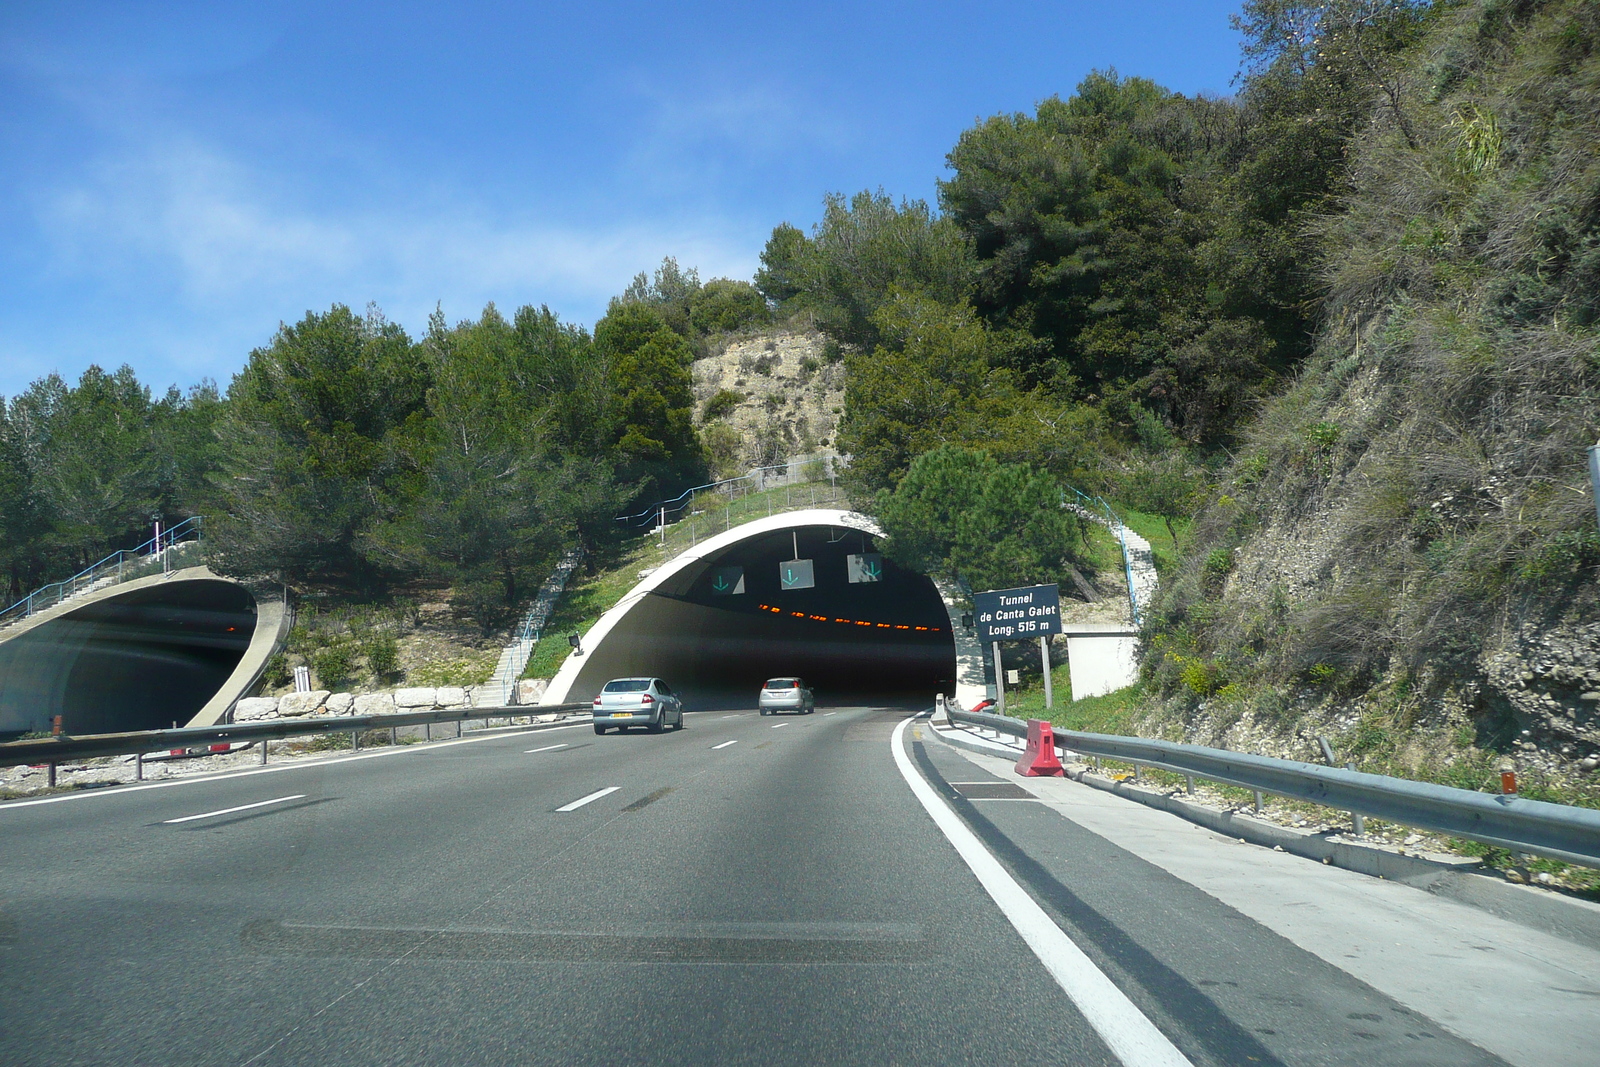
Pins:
<point x="727" y="581"/>
<point x="796" y="574"/>
<point x="864" y="567"/>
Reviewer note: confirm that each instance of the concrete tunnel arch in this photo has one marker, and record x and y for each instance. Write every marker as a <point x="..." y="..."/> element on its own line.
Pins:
<point x="845" y="639"/>
<point x="179" y="647"/>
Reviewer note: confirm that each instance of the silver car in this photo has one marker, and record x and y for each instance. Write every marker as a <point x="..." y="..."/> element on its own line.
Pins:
<point x="647" y="702"/>
<point x="786" y="694"/>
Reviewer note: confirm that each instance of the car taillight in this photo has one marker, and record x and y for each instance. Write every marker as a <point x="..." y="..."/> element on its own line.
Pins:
<point x="597" y="702"/>
<point x="647" y="699"/>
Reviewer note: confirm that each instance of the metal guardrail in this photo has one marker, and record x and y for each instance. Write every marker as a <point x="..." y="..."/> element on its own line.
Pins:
<point x="54" y="750"/>
<point x="121" y="565"/>
<point x="1557" y="831"/>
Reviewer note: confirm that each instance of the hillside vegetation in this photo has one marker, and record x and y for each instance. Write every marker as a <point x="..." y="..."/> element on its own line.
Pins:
<point x="1405" y="543"/>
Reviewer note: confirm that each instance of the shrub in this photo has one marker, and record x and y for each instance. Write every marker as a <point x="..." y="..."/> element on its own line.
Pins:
<point x="722" y="404"/>
<point x="334" y="663"/>
<point x="383" y="655"/>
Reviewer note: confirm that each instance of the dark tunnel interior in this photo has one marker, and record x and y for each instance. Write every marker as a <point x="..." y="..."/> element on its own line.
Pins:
<point x="142" y="660"/>
<point x="848" y="639"/>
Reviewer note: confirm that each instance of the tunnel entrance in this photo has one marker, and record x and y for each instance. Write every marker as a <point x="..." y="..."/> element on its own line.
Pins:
<point x="140" y="660"/>
<point x="717" y="639"/>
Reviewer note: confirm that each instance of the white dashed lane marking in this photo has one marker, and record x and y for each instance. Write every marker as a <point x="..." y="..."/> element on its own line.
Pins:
<point x="596" y="795"/>
<point x="230" y="811"/>
<point x="547" y="748"/>
<point x="725" y="744"/>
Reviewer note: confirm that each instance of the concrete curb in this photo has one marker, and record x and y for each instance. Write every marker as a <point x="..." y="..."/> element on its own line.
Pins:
<point x="1463" y="879"/>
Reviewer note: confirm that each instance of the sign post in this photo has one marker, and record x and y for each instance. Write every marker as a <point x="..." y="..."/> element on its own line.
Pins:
<point x="1012" y="614"/>
<point x="1594" y="476"/>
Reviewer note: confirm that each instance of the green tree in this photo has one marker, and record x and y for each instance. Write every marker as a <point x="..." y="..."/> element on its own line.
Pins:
<point x="723" y="305"/>
<point x="864" y="249"/>
<point x="307" y="446"/>
<point x="781" y="277"/>
<point x="961" y="513"/>
<point x="652" y="399"/>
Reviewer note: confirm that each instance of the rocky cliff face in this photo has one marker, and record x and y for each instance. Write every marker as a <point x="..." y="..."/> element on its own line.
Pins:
<point x="787" y="398"/>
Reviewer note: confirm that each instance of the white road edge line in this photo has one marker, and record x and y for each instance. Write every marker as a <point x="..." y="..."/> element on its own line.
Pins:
<point x="547" y="748"/>
<point x="596" y="795"/>
<point x="1130" y="1036"/>
<point x="230" y="811"/>
<point x="725" y="744"/>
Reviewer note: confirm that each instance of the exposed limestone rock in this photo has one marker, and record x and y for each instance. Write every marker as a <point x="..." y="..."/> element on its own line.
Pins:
<point x="340" y="703"/>
<point x="416" y="698"/>
<point x="251" y="708"/>
<point x="302" y="703"/>
<point x="374" y="704"/>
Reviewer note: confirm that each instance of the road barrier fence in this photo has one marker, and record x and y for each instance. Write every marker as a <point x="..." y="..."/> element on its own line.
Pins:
<point x="51" y="751"/>
<point x="1556" y="831"/>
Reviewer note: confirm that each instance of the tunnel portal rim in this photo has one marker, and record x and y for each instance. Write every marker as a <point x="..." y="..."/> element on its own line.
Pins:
<point x="567" y="676"/>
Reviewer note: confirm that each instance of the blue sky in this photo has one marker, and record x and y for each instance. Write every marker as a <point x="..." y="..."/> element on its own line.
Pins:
<point x="175" y="179"/>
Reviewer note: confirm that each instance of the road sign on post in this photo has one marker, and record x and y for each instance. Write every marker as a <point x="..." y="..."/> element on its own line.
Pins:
<point x="864" y="567"/>
<point x="727" y="581"/>
<point x="1009" y="614"/>
<point x="795" y="574"/>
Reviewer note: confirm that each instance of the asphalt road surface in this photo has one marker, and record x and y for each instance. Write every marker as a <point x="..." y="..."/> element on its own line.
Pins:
<point x="748" y="890"/>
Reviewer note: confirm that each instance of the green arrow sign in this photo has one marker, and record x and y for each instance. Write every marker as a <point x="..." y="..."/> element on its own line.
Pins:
<point x="864" y="567"/>
<point x="727" y="581"/>
<point x="796" y="574"/>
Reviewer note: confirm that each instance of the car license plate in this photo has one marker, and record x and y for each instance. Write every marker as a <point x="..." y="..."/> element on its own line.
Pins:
<point x="622" y="714"/>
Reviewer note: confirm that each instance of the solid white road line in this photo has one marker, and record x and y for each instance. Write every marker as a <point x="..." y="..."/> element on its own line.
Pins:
<point x="230" y="811"/>
<point x="725" y="744"/>
<point x="779" y="726"/>
<point x="1132" y="1037"/>
<point x="596" y="795"/>
<point x="547" y="748"/>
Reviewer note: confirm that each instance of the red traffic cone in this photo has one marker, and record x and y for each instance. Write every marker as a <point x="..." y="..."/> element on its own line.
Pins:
<point x="1039" y="758"/>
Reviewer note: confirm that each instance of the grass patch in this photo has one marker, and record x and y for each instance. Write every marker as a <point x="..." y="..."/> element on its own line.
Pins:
<point x="471" y="669"/>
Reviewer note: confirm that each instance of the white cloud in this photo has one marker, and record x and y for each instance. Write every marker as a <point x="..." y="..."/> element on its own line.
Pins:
<point x="218" y="232"/>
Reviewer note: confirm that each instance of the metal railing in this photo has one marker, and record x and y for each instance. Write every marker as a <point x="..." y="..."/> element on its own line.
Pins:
<point x="122" y="565"/>
<point x="755" y="480"/>
<point x="50" y="751"/>
<point x="1553" y="830"/>
<point x="1095" y="503"/>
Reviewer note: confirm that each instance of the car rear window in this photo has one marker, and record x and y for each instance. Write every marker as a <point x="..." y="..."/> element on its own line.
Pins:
<point x="628" y="685"/>
<point x="782" y="683"/>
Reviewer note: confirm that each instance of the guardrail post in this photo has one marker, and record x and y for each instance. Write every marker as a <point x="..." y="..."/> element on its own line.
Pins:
<point x="394" y="738"/>
<point x="1189" y="780"/>
<point x="263" y="752"/>
<point x="1358" y="824"/>
<point x="138" y="766"/>
<point x="427" y="731"/>
<point x="52" y="774"/>
<point x="1258" y="801"/>
<point x="355" y="740"/>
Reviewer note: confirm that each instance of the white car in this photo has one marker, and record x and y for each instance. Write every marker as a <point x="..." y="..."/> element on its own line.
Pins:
<point x="647" y="702"/>
<point x="786" y="694"/>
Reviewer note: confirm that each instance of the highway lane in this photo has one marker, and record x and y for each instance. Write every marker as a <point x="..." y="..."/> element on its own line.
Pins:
<point x="779" y="900"/>
<point x="748" y="890"/>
